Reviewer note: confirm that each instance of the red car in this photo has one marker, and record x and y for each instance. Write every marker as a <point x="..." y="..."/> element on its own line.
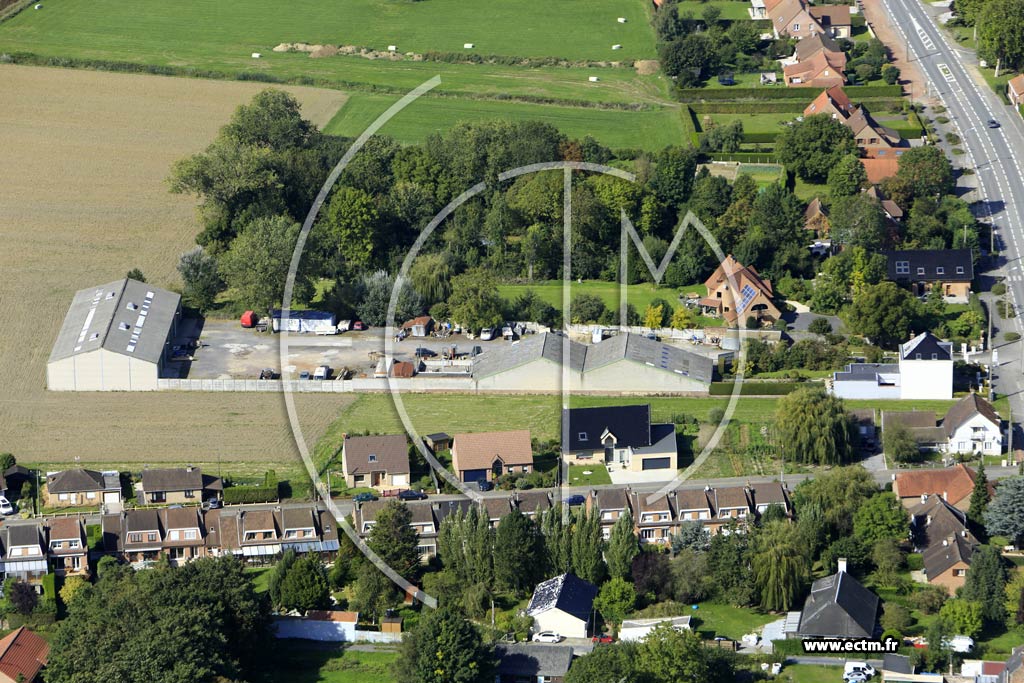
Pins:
<point x="359" y="325"/>
<point x="602" y="638"/>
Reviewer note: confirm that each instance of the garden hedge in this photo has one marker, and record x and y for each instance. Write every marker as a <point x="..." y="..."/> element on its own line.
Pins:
<point x="856" y="93"/>
<point x="250" y="494"/>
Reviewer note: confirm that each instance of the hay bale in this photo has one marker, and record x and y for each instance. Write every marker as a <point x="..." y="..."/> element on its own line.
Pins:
<point x="646" y="67"/>
<point x="283" y="47"/>
<point x="324" y="51"/>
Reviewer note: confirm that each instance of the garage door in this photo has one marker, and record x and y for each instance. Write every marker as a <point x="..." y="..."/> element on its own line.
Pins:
<point x="656" y="463"/>
<point x="474" y="475"/>
<point x="111" y="497"/>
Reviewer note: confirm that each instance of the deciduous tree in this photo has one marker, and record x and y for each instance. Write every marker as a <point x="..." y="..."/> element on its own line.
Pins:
<point x="814" y="427"/>
<point x="813" y="147"/>
<point x="444" y="648"/>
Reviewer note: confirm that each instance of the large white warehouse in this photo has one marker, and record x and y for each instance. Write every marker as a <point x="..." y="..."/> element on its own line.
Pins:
<point x="115" y="337"/>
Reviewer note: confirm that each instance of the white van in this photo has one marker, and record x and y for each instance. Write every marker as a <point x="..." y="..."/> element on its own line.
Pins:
<point x="852" y="669"/>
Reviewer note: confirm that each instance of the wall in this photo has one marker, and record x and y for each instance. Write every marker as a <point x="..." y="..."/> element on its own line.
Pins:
<point x="101" y="370"/>
<point x="331" y="631"/>
<point x="560" y="622"/>
<point x="931" y="379"/>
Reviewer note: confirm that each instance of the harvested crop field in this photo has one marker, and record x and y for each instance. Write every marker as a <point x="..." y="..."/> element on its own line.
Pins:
<point x="83" y="200"/>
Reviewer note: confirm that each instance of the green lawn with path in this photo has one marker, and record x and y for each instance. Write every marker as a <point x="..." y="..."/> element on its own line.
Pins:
<point x="616" y="128"/>
<point x="598" y="475"/>
<point x="717" y="619"/>
<point x="297" y="661"/>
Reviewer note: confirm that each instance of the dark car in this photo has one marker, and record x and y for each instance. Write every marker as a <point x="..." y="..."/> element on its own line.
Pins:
<point x="485" y="485"/>
<point x="412" y="495"/>
<point x="575" y="500"/>
<point x="601" y="638"/>
<point x="992" y="123"/>
<point x="304" y="374"/>
<point x="268" y="373"/>
<point x="364" y="497"/>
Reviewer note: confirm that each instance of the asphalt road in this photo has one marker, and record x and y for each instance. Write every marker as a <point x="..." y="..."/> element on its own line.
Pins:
<point x="997" y="155"/>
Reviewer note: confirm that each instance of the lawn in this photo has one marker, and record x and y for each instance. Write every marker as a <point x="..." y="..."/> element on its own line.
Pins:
<point x="731" y="9"/>
<point x="221" y="36"/>
<point x="640" y="295"/>
<point x="809" y="673"/>
<point x="598" y="475"/>
<point x="260" y="577"/>
<point x="299" y="661"/>
<point x="730" y="622"/>
<point x="752" y="123"/>
<point x="453" y="413"/>
<point x="651" y="130"/>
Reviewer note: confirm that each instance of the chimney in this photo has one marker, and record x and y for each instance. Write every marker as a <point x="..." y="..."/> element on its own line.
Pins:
<point x="945" y="496"/>
<point x="963" y="533"/>
<point x="945" y="542"/>
<point x="842" y="565"/>
<point x="924" y="498"/>
<point x="189" y="468"/>
<point x="928" y="520"/>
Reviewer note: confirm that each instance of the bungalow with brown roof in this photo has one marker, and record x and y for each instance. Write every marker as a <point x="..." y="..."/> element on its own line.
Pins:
<point x="485" y="456"/>
<point x="23" y="654"/>
<point x="81" y="487"/>
<point x="68" y="551"/>
<point x="1015" y="90"/>
<point x="880" y="168"/>
<point x="179" y="485"/>
<point x="752" y="298"/>
<point x="946" y="563"/>
<point x="379" y="461"/>
<point x="954" y="484"/>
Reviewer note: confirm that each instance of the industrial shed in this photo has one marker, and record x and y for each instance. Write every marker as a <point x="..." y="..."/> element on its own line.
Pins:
<point x="624" y="363"/>
<point x="115" y="337"/>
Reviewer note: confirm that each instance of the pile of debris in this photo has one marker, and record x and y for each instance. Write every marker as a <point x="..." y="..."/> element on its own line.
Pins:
<point x="317" y="51"/>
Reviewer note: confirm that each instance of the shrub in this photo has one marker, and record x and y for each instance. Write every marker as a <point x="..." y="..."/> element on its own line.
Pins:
<point x="250" y="494"/>
<point x="958" y="151"/>
<point x="999" y="288"/>
<point x="1012" y="336"/>
<point x="941" y="119"/>
<point x="820" y="326"/>
<point x="953" y="138"/>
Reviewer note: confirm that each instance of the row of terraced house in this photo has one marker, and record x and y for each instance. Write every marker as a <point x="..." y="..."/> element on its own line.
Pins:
<point x="656" y="516"/>
<point x="30" y="550"/>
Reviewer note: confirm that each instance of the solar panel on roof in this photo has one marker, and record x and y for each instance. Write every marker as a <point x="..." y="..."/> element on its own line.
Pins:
<point x="748" y="293"/>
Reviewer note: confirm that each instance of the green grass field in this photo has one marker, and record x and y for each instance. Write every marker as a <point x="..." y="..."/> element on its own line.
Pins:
<point x="732" y="10"/>
<point x="454" y="413"/>
<point x="299" y="661"/>
<point x="502" y="27"/>
<point x="640" y="295"/>
<point x="221" y="36"/>
<point x="598" y="475"/>
<point x="717" y="619"/>
<point x="651" y="130"/>
<point x="752" y="123"/>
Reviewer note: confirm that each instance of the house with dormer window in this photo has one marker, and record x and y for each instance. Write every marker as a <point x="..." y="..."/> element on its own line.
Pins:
<point x="67" y="547"/>
<point x="924" y="269"/>
<point x="618" y="436"/>
<point x="485" y="456"/>
<point x="183" y="537"/>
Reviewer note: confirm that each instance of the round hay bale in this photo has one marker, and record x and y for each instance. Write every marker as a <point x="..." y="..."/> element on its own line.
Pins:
<point x="283" y="47"/>
<point x="324" y="51"/>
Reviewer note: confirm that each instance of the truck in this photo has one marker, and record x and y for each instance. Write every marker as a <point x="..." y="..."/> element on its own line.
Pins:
<point x="322" y="372"/>
<point x="306" y="321"/>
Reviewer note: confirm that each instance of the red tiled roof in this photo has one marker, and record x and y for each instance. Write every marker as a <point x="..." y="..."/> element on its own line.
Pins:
<point x="333" y="615"/>
<point x="22" y="653"/>
<point x="955" y="482"/>
<point x="880" y="169"/>
<point x="1016" y="84"/>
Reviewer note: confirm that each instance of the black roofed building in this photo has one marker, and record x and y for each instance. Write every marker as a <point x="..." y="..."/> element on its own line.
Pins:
<point x="564" y="604"/>
<point x="924" y="371"/>
<point x="922" y="269"/>
<point x="78" y="487"/>
<point x="619" y="437"/>
<point x="838" y="607"/>
<point x="523" y="663"/>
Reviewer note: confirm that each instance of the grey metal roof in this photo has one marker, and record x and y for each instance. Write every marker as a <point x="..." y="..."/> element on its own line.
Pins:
<point x="533" y="661"/>
<point x="839" y="607"/>
<point x="897" y="664"/>
<point x="128" y="317"/>
<point x="861" y="372"/>
<point x="638" y="349"/>
<point x="584" y="358"/>
<point x="567" y="592"/>
<point x="543" y="346"/>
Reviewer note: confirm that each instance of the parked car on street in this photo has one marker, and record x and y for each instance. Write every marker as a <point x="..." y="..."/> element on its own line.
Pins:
<point x="576" y="499"/>
<point x="364" y="497"/>
<point x="487" y="334"/>
<point x="5" y="506"/>
<point x="547" y="637"/>
<point x="412" y="495"/>
<point x="485" y="485"/>
<point x="601" y="638"/>
<point x="213" y="504"/>
<point x="359" y="325"/>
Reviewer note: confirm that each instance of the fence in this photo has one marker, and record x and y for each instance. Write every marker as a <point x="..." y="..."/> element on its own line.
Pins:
<point x="329" y="631"/>
<point x="421" y="383"/>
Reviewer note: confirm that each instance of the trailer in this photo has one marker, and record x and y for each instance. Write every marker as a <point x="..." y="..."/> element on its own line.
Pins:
<point x="308" y="321"/>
